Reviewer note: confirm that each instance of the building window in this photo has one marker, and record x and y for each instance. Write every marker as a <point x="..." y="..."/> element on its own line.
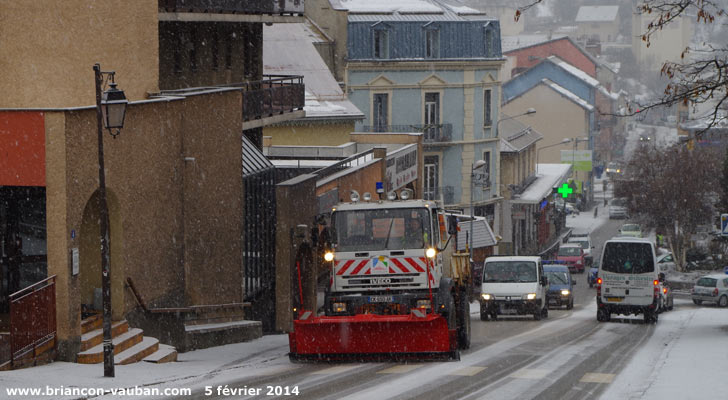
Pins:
<point x="193" y="50"/>
<point x="487" y="104"/>
<point x="486" y="169"/>
<point x="432" y="116"/>
<point x="432" y="45"/>
<point x="489" y="43"/>
<point x="229" y="52"/>
<point x="381" y="43"/>
<point x="380" y="117"/>
<point x="215" y="50"/>
<point x="432" y="164"/>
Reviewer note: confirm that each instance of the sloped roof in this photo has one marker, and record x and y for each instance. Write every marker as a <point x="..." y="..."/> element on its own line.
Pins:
<point x="567" y="94"/>
<point x="253" y="160"/>
<point x="597" y="13"/>
<point x="583" y="76"/>
<point x="288" y="49"/>
<point x="409" y="10"/>
<point x="483" y="237"/>
<point x="548" y="176"/>
<point x="516" y="136"/>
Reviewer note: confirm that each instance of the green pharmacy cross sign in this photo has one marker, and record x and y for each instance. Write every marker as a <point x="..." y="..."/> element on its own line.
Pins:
<point x="565" y="190"/>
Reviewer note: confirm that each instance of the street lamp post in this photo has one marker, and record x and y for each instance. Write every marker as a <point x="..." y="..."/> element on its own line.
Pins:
<point x="563" y="141"/>
<point x="110" y="112"/>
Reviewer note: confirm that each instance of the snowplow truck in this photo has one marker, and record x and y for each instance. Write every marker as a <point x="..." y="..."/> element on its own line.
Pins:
<point x="396" y="288"/>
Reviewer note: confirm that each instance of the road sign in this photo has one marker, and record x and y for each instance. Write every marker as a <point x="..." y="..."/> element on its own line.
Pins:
<point x="724" y="224"/>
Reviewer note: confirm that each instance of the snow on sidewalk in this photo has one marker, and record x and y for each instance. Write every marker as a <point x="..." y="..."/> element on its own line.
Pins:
<point x="685" y="358"/>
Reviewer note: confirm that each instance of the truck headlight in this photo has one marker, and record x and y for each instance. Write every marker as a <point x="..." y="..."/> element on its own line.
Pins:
<point x="339" y="307"/>
<point x="431" y="253"/>
<point x="486" y="296"/>
<point x="565" y="292"/>
<point x="423" y="303"/>
<point x="530" y="296"/>
<point x="329" y="256"/>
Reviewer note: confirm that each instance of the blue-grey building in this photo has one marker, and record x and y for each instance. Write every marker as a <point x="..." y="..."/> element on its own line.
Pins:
<point x="433" y="68"/>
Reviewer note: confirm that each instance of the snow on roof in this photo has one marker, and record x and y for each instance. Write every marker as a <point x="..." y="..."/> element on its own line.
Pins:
<point x="548" y="176"/>
<point x="583" y="76"/>
<point x="568" y="94"/>
<point x="510" y="43"/>
<point x="464" y="10"/>
<point x="597" y="13"/>
<point x="515" y="135"/>
<point x="483" y="236"/>
<point x="389" y="6"/>
<point x="288" y="49"/>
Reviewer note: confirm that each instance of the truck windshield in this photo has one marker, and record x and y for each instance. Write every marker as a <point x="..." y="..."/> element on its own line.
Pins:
<point x="628" y="258"/>
<point x="381" y="229"/>
<point x="509" y="271"/>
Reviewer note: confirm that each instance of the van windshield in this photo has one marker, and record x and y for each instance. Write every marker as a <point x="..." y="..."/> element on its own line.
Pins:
<point x="509" y="271"/>
<point x="628" y="258"/>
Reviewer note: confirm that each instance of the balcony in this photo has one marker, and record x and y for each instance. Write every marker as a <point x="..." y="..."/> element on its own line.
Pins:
<point x="432" y="133"/>
<point x="274" y="99"/>
<point x="446" y="194"/>
<point x="231" y="10"/>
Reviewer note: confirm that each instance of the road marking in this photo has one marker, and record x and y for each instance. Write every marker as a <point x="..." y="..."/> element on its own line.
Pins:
<point x="527" y="373"/>
<point x="335" y="370"/>
<point x="593" y="377"/>
<point x="277" y="370"/>
<point x="467" y="371"/>
<point x="400" y="369"/>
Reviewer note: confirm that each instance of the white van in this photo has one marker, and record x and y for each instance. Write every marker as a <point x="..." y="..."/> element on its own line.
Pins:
<point x="629" y="281"/>
<point x="513" y="286"/>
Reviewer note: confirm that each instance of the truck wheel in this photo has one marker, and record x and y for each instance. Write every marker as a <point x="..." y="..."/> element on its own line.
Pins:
<point x="697" y="302"/>
<point x="483" y="313"/>
<point x="464" y="329"/>
<point x="452" y="320"/>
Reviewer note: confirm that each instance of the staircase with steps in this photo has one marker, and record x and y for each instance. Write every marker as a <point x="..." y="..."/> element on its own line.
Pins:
<point x="130" y="344"/>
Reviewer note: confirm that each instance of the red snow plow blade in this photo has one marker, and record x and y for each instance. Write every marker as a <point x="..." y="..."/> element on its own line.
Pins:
<point x="368" y="336"/>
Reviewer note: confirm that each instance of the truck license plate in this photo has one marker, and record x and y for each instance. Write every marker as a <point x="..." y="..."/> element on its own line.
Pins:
<point x="381" y="299"/>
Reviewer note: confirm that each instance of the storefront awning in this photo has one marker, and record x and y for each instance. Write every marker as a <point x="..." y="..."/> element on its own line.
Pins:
<point x="548" y="177"/>
<point x="483" y="237"/>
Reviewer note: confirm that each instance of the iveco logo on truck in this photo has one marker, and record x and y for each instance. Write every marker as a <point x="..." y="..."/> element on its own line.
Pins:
<point x="380" y="281"/>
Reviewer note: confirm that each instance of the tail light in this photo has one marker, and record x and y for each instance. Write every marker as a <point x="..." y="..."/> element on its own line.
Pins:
<point x="656" y="282"/>
<point x="664" y="290"/>
<point x="715" y="292"/>
<point x="599" y="281"/>
<point x="599" y="287"/>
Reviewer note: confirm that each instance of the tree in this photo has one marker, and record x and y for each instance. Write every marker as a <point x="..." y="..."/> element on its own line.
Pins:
<point x="722" y="204"/>
<point x="674" y="190"/>
<point x="702" y="75"/>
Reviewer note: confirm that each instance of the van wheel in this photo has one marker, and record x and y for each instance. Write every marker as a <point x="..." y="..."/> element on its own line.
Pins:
<point x="483" y="313"/>
<point x="650" y="317"/>
<point x="570" y="305"/>
<point x="723" y="301"/>
<point x="602" y="315"/>
<point x="545" y="312"/>
<point x="494" y="316"/>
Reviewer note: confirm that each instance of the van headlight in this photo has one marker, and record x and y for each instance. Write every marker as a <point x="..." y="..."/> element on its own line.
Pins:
<point x="565" y="292"/>
<point x="486" y="296"/>
<point x="530" y="296"/>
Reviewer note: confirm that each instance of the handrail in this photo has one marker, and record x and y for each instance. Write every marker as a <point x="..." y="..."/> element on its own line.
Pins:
<point x="195" y="308"/>
<point x="32" y="287"/>
<point x="326" y="171"/>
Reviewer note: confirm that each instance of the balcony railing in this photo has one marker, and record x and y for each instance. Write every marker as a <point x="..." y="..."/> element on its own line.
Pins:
<point x="281" y="7"/>
<point x="432" y="132"/>
<point x="444" y="193"/>
<point x="274" y="95"/>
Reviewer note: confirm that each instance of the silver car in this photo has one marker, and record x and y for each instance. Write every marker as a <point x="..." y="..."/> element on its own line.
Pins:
<point x="712" y="289"/>
<point x="618" y="208"/>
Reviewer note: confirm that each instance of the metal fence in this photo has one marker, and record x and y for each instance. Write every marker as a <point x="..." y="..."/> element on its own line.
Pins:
<point x="432" y="132"/>
<point x="233" y="6"/>
<point x="273" y="95"/>
<point x="32" y="317"/>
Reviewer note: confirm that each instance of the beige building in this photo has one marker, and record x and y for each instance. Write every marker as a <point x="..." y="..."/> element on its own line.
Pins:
<point x="176" y="191"/>
<point x="561" y="115"/>
<point x="666" y="44"/>
<point x="598" y="23"/>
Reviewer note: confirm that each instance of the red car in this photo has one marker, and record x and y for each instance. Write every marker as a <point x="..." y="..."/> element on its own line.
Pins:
<point x="573" y="255"/>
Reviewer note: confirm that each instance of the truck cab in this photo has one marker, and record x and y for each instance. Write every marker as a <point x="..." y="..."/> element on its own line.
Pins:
<point x="513" y="285"/>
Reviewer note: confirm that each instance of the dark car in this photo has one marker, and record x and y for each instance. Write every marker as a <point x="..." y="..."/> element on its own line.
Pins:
<point x="561" y="286"/>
